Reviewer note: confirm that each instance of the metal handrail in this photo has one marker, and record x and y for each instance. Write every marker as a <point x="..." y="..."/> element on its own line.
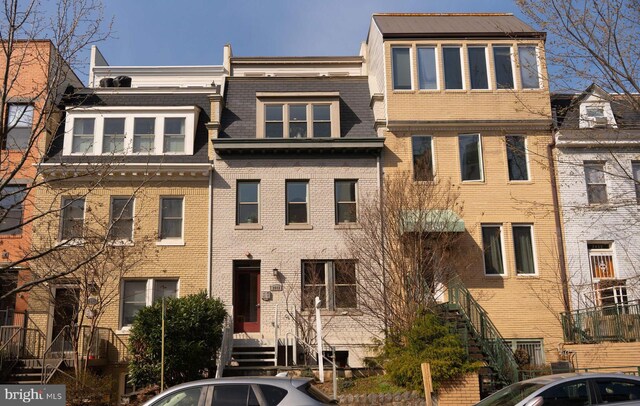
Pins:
<point x="13" y="346"/>
<point x="59" y="339"/>
<point x="493" y="345"/>
<point x="226" y="347"/>
<point x="310" y="349"/>
<point x="614" y="323"/>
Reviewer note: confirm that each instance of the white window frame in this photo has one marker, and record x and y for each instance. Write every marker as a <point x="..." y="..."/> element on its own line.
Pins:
<point x="486" y="62"/>
<point x="463" y="68"/>
<point x="587" y="121"/>
<point x="436" y="51"/>
<point x="170" y="240"/>
<point x="526" y="157"/>
<point x="636" y="181"/>
<point x="502" y="249"/>
<point x="129" y="113"/>
<point x="149" y="288"/>
<point x="309" y="99"/>
<point x="132" y="199"/>
<point x="433" y="157"/>
<point x="412" y="77"/>
<point x="17" y="122"/>
<point x="533" y="248"/>
<point x="538" y="66"/>
<point x="513" y="67"/>
<point x="608" y="251"/>
<point x="481" y="157"/>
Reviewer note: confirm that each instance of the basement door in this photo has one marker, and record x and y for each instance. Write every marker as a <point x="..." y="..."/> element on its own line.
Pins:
<point x="246" y="296"/>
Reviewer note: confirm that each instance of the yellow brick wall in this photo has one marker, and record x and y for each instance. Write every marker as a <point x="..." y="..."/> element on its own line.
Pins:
<point x="614" y="356"/>
<point x="524" y="307"/>
<point x="187" y="262"/>
<point x="437" y="105"/>
<point x="460" y="392"/>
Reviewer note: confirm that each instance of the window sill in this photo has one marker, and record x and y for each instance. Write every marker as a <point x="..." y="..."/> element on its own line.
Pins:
<point x="520" y="182"/>
<point x="121" y="243"/>
<point x="126" y="330"/>
<point x="429" y="91"/>
<point x="496" y="275"/>
<point x="405" y="91"/>
<point x="298" y="227"/>
<point x="248" y="226"/>
<point x="527" y="275"/>
<point x="347" y="226"/>
<point x="472" y="182"/>
<point x="481" y="90"/>
<point x="333" y="313"/>
<point x="76" y="242"/>
<point x="168" y="242"/>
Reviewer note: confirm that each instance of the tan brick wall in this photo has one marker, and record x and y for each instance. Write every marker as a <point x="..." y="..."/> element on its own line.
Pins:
<point x="187" y="263"/>
<point x="460" y="392"/>
<point x="614" y="356"/>
<point x="467" y="105"/>
<point x="520" y="306"/>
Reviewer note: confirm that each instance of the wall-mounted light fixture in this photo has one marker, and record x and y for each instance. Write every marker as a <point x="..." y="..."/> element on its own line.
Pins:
<point x="276" y="273"/>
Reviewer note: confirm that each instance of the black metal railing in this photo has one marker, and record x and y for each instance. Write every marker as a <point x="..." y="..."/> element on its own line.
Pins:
<point x="615" y="323"/>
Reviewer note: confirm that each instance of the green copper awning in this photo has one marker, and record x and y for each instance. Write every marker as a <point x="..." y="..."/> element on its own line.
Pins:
<point x="435" y="221"/>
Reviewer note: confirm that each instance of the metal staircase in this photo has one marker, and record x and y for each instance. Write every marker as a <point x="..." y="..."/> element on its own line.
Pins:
<point x="482" y="338"/>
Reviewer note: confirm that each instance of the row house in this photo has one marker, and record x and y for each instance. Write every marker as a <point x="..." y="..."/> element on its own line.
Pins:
<point x="598" y="171"/>
<point x="294" y="154"/>
<point x="463" y="98"/>
<point x="128" y="168"/>
<point x="36" y="75"/>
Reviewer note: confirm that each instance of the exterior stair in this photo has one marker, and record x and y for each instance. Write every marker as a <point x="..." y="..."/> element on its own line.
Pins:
<point x="28" y="371"/>
<point x="481" y="338"/>
<point x="252" y="359"/>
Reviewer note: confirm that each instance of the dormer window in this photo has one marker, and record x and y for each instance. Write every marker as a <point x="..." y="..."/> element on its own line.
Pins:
<point x="130" y="130"/>
<point x="596" y="113"/>
<point x="298" y="115"/>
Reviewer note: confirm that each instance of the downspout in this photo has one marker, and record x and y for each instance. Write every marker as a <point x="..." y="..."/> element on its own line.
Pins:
<point x="382" y="242"/>
<point x="560" y="240"/>
<point x="210" y="236"/>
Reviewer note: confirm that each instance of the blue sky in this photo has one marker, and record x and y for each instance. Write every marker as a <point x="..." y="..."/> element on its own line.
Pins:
<point x="193" y="32"/>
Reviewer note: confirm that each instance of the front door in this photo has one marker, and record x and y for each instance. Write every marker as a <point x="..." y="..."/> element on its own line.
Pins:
<point x="65" y="313"/>
<point x="246" y="296"/>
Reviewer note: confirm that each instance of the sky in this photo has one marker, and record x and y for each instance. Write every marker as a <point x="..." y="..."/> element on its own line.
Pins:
<point x="193" y="32"/>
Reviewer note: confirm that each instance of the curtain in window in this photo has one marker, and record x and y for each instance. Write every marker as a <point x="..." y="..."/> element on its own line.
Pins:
<point x="492" y="250"/>
<point x="523" y="246"/>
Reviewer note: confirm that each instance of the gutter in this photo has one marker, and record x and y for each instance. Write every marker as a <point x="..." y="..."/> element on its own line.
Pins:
<point x="560" y="237"/>
<point x="210" y="235"/>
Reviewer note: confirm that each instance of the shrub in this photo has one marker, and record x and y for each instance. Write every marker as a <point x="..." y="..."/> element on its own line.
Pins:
<point x="428" y="340"/>
<point x="193" y="335"/>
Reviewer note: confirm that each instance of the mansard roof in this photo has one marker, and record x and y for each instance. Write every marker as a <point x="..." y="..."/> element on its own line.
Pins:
<point x="459" y="25"/>
<point x="239" y="114"/>
<point x="162" y="98"/>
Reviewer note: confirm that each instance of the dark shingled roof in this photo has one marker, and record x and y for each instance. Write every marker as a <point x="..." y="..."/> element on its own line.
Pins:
<point x="86" y="98"/>
<point x="567" y="110"/>
<point x="239" y="115"/>
<point x="453" y="25"/>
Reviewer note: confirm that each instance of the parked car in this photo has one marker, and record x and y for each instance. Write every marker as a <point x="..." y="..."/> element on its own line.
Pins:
<point x="243" y="391"/>
<point x="569" y="390"/>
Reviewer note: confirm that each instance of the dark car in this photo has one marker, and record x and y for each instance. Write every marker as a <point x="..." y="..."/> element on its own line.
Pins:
<point x="243" y="391"/>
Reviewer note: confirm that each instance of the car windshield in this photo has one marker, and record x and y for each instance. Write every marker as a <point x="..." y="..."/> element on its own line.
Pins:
<point x="511" y="395"/>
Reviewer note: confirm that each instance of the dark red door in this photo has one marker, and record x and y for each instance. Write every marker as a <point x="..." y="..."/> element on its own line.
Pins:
<point x="246" y="296"/>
